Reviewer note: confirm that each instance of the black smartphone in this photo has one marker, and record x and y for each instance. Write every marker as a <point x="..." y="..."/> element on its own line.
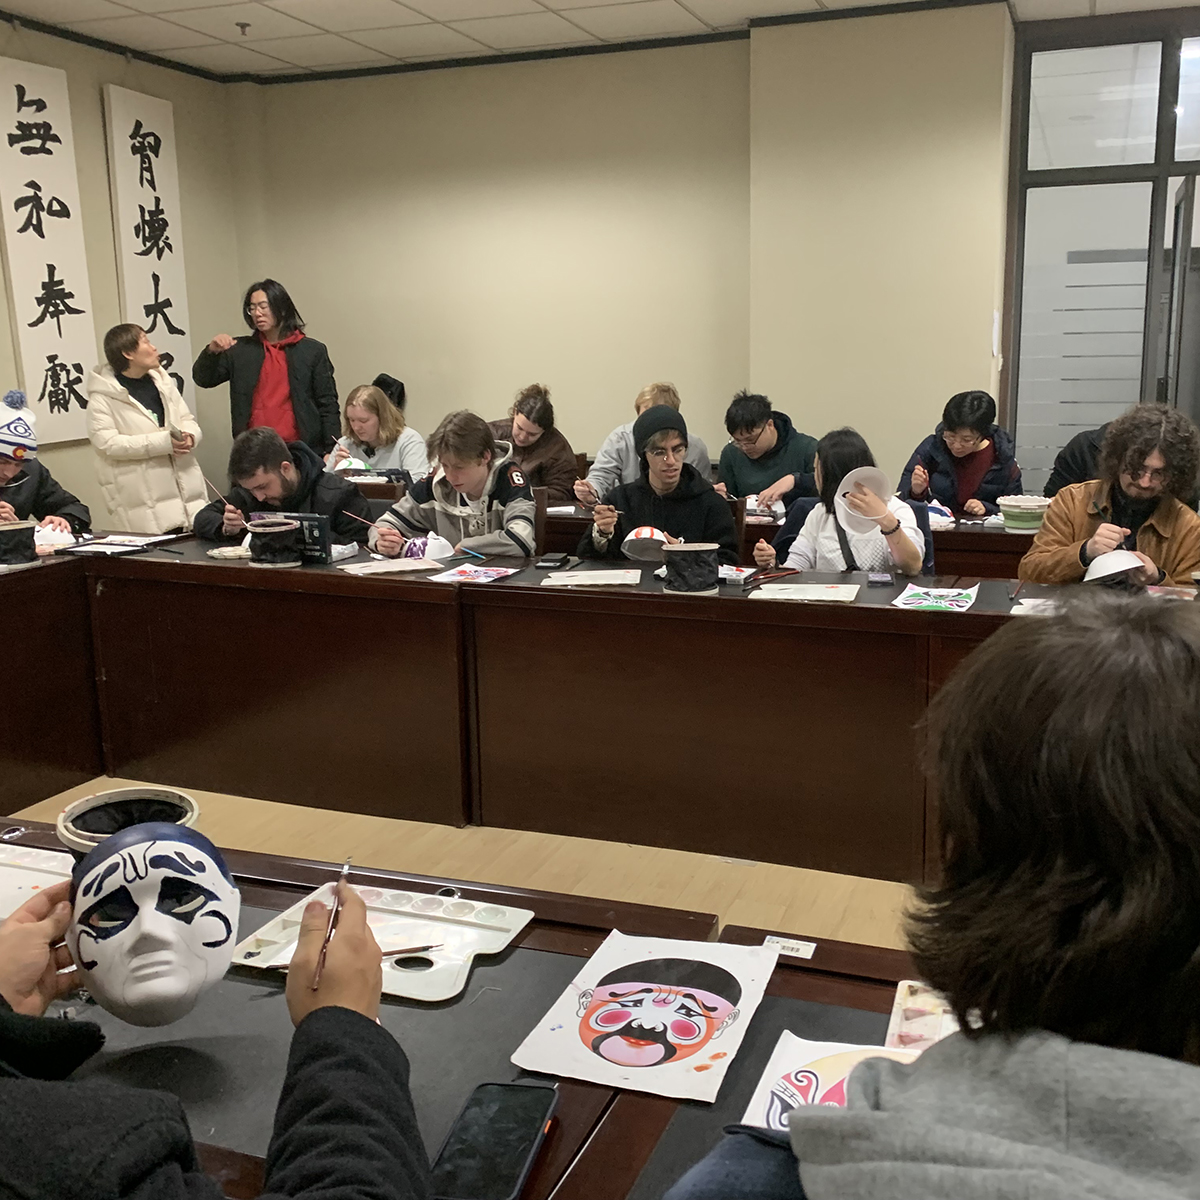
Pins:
<point x="880" y="579"/>
<point x="552" y="562"/>
<point x="491" y="1148"/>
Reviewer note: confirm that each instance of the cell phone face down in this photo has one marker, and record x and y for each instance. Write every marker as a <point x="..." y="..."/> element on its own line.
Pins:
<point x="552" y="562"/>
<point x="492" y="1146"/>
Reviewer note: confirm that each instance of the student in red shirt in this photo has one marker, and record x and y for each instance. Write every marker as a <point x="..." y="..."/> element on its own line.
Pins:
<point x="277" y="376"/>
<point x="967" y="463"/>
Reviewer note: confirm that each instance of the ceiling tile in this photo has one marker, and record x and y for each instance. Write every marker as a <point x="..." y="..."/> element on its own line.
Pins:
<point x="1043" y="10"/>
<point x="729" y="14"/>
<point x="60" y="12"/>
<point x="416" y="41"/>
<point x="225" y="58"/>
<point x="222" y="22"/>
<point x="319" y="50"/>
<point x="649" y="18"/>
<point x="165" y="6"/>
<point x="340" y="16"/>
<point x="465" y="10"/>
<point x="524" y="32"/>
<point x="141" y="33"/>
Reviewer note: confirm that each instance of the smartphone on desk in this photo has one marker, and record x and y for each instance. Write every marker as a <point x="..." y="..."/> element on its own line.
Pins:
<point x="493" y="1145"/>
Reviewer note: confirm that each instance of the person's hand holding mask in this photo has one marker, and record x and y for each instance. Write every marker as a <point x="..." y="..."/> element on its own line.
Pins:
<point x="32" y="953"/>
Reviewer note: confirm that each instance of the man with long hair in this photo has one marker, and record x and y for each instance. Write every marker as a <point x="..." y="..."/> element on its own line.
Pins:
<point x="277" y="376"/>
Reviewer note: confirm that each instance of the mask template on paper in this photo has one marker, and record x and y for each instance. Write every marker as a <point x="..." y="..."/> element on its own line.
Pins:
<point x="154" y="922"/>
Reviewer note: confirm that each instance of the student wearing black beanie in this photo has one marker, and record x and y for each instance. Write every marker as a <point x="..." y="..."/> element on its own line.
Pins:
<point x="669" y="495"/>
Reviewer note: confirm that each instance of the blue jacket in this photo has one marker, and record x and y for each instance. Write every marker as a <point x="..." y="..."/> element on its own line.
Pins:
<point x="1004" y="478"/>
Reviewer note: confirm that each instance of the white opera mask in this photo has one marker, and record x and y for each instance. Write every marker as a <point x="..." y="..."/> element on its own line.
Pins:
<point x="154" y="921"/>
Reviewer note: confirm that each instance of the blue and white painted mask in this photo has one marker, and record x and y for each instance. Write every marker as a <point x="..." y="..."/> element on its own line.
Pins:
<point x="154" y="922"/>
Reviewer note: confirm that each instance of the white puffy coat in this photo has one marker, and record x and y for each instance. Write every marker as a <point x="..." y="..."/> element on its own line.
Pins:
<point x="146" y="487"/>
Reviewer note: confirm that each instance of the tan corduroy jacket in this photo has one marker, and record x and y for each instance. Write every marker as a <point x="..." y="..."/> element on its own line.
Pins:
<point x="1170" y="537"/>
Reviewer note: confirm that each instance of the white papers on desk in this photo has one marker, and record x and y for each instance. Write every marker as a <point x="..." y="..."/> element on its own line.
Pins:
<point x="929" y="599"/>
<point x="842" y="593"/>
<point x="45" y="536"/>
<point x="630" y="578"/>
<point x="390" y="566"/>
<point x="1034" y="607"/>
<point x="135" y="539"/>
<point x="561" y="510"/>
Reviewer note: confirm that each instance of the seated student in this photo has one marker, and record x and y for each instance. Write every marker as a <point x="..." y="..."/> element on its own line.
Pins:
<point x="267" y="473"/>
<point x="144" y="437"/>
<point x="539" y="449"/>
<point x="1148" y="463"/>
<point x="896" y="543"/>
<point x="1064" y="933"/>
<point x="27" y="489"/>
<point x="374" y="432"/>
<point x="344" y="1124"/>
<point x="670" y="495"/>
<point x="765" y="455"/>
<point x="1076" y="461"/>
<point x="477" y="499"/>
<point x="617" y="460"/>
<point x="968" y="461"/>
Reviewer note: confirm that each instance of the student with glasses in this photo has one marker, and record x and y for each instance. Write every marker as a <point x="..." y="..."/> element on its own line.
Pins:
<point x="277" y="376"/>
<point x="669" y="495"/>
<point x="967" y="463"/>
<point x="1148" y="465"/>
<point x="766" y="456"/>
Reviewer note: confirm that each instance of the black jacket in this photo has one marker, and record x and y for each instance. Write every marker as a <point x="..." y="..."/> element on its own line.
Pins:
<point x="1003" y="479"/>
<point x="319" y="491"/>
<point x="310" y="375"/>
<point x="1076" y="461"/>
<point x="34" y="493"/>
<point x="693" y="512"/>
<point x="344" y="1125"/>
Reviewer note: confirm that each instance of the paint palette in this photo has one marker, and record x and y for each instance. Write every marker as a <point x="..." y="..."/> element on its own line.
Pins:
<point x="460" y="929"/>
<point x="25" y="870"/>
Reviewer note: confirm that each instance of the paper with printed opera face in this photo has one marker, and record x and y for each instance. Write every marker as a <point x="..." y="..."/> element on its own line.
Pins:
<point x="652" y="1015"/>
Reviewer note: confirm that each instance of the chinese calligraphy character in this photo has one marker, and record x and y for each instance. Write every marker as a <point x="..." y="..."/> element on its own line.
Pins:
<point x="159" y="309"/>
<point x="38" y="105"/>
<point x="60" y="384"/>
<point x="53" y="301"/>
<point x="39" y="208"/>
<point x="166" y="360"/>
<point x="152" y="231"/>
<point x="145" y="146"/>
<point x="28" y="132"/>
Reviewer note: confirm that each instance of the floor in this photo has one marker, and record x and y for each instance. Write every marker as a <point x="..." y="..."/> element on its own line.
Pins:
<point x="765" y="895"/>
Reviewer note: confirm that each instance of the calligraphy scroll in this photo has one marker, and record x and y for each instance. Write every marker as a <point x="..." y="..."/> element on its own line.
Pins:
<point x="144" y="179"/>
<point x="50" y="302"/>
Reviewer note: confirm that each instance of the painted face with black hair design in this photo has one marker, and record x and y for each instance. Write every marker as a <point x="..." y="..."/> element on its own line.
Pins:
<point x="155" y="921"/>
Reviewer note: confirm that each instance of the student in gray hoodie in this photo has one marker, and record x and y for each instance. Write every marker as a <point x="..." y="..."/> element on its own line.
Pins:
<point x="1065" y="933"/>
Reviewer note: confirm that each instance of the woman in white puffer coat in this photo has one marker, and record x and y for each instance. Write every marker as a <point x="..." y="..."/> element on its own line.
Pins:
<point x="144" y="437"/>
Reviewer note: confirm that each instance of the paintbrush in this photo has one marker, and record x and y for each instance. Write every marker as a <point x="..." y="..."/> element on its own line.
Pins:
<point x="362" y="519"/>
<point x="334" y="913"/>
<point x="219" y="494"/>
<point x="411" y="950"/>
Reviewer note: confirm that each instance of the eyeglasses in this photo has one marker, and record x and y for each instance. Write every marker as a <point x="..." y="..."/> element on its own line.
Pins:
<point x="744" y="443"/>
<point x="961" y="439"/>
<point x="261" y="306"/>
<point x="660" y="452"/>
<point x="1157" y="475"/>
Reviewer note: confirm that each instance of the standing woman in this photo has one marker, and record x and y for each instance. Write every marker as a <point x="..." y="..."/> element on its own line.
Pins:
<point x="374" y="432"/>
<point x="144" y="437"/>
<point x="276" y="375"/>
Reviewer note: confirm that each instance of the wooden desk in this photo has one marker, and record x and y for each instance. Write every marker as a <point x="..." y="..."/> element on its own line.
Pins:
<point x="305" y="685"/>
<point x="226" y="1058"/>
<point x="50" y="738"/>
<point x="804" y="754"/>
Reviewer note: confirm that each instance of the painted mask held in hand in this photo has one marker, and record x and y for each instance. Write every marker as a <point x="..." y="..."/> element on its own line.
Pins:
<point x="154" y="922"/>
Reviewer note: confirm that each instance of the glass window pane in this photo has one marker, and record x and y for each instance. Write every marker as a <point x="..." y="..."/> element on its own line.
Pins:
<point x="1082" y="310"/>
<point x="1094" y="107"/>
<point x="1187" y="114"/>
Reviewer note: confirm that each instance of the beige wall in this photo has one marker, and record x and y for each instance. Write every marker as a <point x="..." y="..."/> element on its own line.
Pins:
<point x="208" y="202"/>
<point x="582" y="222"/>
<point x="878" y="178"/>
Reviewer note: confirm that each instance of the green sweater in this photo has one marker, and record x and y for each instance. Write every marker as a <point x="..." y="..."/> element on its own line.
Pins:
<point x="793" y="454"/>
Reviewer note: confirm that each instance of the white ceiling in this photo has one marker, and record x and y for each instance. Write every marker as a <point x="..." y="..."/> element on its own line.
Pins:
<point x="289" y="36"/>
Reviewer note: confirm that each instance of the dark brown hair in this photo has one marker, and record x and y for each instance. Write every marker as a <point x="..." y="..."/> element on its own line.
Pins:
<point x="461" y="435"/>
<point x="119" y="341"/>
<point x="533" y="403"/>
<point x="1144" y="429"/>
<point x="258" y="449"/>
<point x="1066" y="758"/>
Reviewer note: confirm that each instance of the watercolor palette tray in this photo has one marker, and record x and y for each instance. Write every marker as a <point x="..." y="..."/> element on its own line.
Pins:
<point x="461" y="928"/>
<point x="25" y="870"/>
